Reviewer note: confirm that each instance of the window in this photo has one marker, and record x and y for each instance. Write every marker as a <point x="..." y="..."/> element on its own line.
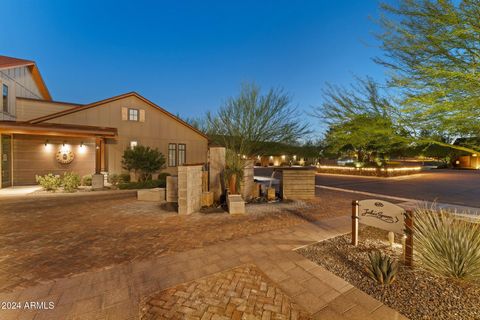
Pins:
<point x="133" y="144"/>
<point x="172" y="154"/>
<point x="182" y="150"/>
<point x="5" y="98"/>
<point x="133" y="114"/>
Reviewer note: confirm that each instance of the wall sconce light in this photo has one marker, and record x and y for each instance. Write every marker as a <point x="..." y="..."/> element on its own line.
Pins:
<point x="81" y="147"/>
<point x="47" y="146"/>
<point x="65" y="148"/>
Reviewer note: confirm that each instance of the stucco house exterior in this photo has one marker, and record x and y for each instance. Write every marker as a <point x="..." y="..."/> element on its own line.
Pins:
<point x="39" y="135"/>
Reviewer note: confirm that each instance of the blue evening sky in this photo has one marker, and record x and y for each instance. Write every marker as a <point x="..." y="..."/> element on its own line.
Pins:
<point x="189" y="56"/>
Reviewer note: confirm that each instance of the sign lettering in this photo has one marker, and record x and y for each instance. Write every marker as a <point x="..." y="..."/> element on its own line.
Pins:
<point x="382" y="214"/>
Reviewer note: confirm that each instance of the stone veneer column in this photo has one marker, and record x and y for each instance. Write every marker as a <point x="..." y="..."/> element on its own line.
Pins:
<point x="217" y="168"/>
<point x="172" y="189"/>
<point x="247" y="182"/>
<point x="189" y="188"/>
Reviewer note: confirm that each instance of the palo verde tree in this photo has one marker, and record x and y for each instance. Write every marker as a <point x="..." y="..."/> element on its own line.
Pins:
<point x="246" y="122"/>
<point x="361" y="120"/>
<point x="432" y="49"/>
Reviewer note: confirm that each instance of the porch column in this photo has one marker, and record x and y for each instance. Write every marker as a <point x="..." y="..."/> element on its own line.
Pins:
<point x="98" y="179"/>
<point x="98" y="155"/>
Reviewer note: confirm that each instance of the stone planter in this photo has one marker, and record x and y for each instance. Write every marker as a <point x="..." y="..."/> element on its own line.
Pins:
<point x="156" y="195"/>
<point x="235" y="204"/>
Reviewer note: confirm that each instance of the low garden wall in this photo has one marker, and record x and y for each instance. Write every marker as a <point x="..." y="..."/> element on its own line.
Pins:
<point x="298" y="184"/>
<point x="372" y="172"/>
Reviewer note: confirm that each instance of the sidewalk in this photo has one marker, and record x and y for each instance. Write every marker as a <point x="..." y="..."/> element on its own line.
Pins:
<point x="115" y="293"/>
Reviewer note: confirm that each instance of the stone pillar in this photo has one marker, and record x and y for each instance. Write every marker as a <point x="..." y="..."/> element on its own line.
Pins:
<point x="247" y="185"/>
<point x="172" y="189"/>
<point x="189" y="189"/>
<point x="217" y="169"/>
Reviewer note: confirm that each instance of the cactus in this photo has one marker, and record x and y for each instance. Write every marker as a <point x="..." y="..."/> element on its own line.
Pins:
<point x="381" y="268"/>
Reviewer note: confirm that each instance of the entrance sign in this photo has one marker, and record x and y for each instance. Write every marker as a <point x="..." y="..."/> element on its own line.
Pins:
<point x="382" y="214"/>
<point x="386" y="216"/>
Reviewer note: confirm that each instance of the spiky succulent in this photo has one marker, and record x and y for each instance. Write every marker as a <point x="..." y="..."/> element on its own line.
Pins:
<point x="447" y="244"/>
<point x="381" y="268"/>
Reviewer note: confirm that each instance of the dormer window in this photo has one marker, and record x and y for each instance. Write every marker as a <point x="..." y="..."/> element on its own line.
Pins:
<point x="133" y="114"/>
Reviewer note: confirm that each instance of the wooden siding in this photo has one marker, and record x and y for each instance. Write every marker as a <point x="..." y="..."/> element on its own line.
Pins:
<point x="31" y="157"/>
<point x="157" y="131"/>
<point x="31" y="109"/>
<point x="20" y="84"/>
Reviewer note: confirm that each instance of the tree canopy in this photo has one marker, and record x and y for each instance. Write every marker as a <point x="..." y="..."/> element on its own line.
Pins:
<point x="245" y="122"/>
<point x="432" y="49"/>
<point x="361" y="119"/>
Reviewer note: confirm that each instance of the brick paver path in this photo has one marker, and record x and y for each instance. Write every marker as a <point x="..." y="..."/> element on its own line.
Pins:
<point x="50" y="238"/>
<point x="240" y="293"/>
<point x="114" y="293"/>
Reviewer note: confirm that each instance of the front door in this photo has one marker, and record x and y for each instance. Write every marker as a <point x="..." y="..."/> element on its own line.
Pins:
<point x="6" y="149"/>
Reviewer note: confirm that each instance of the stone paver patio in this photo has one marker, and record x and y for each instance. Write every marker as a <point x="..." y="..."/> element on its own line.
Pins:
<point x="212" y="244"/>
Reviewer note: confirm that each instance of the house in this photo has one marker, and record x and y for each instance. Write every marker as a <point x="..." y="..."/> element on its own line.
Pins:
<point x="39" y="135"/>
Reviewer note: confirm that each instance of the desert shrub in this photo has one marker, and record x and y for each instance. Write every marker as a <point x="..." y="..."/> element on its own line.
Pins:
<point x="143" y="161"/>
<point x="49" y="182"/>
<point x="124" y="177"/>
<point x="446" y="244"/>
<point x="114" y="179"/>
<point x="148" y="184"/>
<point x="381" y="268"/>
<point x="70" y="181"/>
<point x="87" y="180"/>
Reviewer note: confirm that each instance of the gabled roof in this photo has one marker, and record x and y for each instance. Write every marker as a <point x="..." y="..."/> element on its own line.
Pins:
<point x="102" y="102"/>
<point x="9" y="62"/>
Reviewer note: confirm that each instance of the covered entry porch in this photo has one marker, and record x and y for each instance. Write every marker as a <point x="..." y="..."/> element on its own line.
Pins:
<point x="28" y="150"/>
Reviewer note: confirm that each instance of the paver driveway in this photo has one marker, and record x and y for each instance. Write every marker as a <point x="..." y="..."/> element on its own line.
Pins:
<point x="53" y="237"/>
<point x="105" y="253"/>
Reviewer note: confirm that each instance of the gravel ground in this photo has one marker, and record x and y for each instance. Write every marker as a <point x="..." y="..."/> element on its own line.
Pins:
<point x="415" y="293"/>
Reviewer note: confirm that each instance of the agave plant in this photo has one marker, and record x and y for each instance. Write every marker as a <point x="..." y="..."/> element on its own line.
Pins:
<point x="447" y="244"/>
<point x="381" y="268"/>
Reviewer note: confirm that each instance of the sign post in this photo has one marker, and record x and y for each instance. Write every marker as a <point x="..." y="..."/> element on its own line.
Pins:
<point x="387" y="216"/>
<point x="409" y="240"/>
<point x="355" y="222"/>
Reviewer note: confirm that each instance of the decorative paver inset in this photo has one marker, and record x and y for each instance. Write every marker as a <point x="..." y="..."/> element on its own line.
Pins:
<point x="240" y="293"/>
